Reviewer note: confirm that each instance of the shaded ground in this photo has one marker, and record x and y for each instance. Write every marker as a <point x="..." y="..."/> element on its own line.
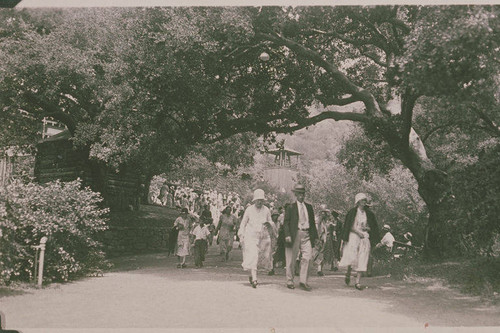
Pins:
<point x="147" y="214"/>
<point x="148" y="291"/>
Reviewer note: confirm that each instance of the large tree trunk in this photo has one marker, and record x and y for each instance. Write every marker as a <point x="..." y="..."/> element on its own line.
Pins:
<point x="433" y="187"/>
<point x="145" y="185"/>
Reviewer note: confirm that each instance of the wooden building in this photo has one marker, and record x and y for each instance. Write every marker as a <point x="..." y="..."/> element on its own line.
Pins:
<point x="56" y="158"/>
<point x="282" y="170"/>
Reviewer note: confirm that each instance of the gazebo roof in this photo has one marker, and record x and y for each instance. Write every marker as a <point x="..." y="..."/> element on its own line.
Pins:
<point x="288" y="151"/>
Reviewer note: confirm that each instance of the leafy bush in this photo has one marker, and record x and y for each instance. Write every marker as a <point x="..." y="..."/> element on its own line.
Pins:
<point x="477" y="189"/>
<point x="65" y="213"/>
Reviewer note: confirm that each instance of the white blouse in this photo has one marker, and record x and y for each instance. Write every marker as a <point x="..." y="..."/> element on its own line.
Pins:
<point x="361" y="222"/>
<point x="253" y="221"/>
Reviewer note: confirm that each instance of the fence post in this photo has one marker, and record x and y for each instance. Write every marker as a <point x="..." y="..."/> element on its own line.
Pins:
<point x="40" y="262"/>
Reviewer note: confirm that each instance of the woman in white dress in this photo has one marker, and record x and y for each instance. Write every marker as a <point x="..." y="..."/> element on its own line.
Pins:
<point x="251" y="228"/>
<point x="360" y="233"/>
<point x="183" y="224"/>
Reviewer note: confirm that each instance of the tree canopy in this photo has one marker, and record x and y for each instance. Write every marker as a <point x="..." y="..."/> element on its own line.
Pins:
<point x="143" y="84"/>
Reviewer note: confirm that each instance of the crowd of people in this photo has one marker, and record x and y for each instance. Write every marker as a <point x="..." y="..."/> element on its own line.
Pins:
<point x="197" y="200"/>
<point x="290" y="236"/>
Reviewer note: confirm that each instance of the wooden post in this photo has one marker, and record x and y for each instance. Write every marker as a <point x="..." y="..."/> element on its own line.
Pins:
<point x="40" y="262"/>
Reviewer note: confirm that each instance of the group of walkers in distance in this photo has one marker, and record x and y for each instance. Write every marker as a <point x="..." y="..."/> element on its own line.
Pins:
<point x="196" y="201"/>
<point x="291" y="235"/>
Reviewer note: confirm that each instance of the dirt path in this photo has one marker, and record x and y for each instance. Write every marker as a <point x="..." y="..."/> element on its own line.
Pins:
<point x="149" y="292"/>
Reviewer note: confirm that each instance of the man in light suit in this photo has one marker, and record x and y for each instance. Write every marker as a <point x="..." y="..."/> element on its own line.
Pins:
<point x="300" y="235"/>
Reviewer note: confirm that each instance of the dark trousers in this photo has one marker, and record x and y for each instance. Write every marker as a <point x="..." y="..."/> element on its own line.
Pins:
<point x="200" y="248"/>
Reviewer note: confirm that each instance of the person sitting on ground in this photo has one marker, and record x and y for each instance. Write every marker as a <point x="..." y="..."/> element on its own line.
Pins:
<point x="408" y="237"/>
<point x="405" y="246"/>
<point x="387" y="241"/>
<point x="383" y="250"/>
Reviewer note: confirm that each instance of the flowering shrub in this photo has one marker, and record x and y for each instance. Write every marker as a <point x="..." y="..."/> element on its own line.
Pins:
<point x="65" y="213"/>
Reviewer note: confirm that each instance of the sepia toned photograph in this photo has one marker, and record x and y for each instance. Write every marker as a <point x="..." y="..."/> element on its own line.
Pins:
<point x="170" y="166"/>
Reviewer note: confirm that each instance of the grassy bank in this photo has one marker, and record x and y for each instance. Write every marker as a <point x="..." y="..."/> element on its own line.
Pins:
<point x="477" y="276"/>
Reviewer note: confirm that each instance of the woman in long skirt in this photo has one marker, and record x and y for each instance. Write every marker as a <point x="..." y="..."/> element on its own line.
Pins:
<point x="279" y="256"/>
<point x="182" y="224"/>
<point x="359" y="235"/>
<point x="225" y="229"/>
<point x="267" y="247"/>
<point x="329" y="249"/>
<point x="250" y="233"/>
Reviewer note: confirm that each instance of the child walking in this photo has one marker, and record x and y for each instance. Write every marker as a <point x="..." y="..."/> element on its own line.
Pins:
<point x="201" y="233"/>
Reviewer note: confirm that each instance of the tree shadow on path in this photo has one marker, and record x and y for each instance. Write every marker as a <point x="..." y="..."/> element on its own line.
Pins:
<point x="426" y="300"/>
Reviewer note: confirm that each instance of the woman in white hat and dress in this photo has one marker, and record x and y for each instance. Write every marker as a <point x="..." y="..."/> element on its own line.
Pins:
<point x="255" y="221"/>
<point x="360" y="234"/>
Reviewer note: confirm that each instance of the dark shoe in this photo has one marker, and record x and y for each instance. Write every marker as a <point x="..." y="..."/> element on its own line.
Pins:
<point x="305" y="286"/>
<point x="359" y="286"/>
<point x="254" y="284"/>
<point x="179" y="266"/>
<point x="271" y="272"/>
<point x="320" y="273"/>
<point x="290" y="286"/>
<point x="347" y="279"/>
<point x="250" y="279"/>
<point x="183" y="266"/>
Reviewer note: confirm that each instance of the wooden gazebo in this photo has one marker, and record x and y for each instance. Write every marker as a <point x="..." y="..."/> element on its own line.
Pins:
<point x="282" y="171"/>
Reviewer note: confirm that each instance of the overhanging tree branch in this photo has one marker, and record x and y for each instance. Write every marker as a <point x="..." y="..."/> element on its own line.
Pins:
<point x="354" y="42"/>
<point x="375" y="59"/>
<point x="491" y="126"/>
<point x="359" y="93"/>
<point x="383" y="41"/>
<point x="263" y="126"/>
<point x="335" y="115"/>
<point x="440" y="127"/>
<point x="342" y="101"/>
<point x="399" y="24"/>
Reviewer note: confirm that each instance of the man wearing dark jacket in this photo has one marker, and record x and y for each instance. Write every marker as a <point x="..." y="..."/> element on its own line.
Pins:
<point x="300" y="235"/>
